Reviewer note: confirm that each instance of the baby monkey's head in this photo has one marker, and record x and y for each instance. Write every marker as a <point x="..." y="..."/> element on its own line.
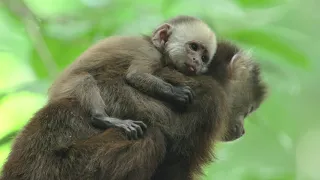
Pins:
<point x="187" y="43"/>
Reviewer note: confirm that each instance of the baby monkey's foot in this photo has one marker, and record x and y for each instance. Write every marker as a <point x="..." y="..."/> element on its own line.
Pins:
<point x="133" y="129"/>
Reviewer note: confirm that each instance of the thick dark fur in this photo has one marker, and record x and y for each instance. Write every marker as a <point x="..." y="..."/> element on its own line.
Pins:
<point x="59" y="143"/>
<point x="245" y="90"/>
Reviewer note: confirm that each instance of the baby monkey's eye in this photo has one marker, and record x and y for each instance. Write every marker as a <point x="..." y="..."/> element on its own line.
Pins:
<point x="204" y="58"/>
<point x="194" y="46"/>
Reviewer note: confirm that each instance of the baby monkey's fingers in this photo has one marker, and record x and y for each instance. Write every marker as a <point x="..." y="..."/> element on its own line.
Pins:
<point x="133" y="129"/>
<point x="126" y="130"/>
<point x="190" y="93"/>
<point x="138" y="129"/>
<point x="141" y="124"/>
<point x="133" y="133"/>
<point x="183" y="94"/>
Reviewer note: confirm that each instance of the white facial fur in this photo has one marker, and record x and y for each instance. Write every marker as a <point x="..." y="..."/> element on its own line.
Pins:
<point x="195" y="31"/>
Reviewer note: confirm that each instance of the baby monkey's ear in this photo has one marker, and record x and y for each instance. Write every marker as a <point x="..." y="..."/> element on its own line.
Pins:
<point x="161" y="35"/>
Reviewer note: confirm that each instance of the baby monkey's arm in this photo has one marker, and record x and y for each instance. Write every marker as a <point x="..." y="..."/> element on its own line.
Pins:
<point x="140" y="76"/>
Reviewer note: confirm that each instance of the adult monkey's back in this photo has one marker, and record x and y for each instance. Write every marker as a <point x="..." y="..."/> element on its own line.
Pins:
<point x="59" y="144"/>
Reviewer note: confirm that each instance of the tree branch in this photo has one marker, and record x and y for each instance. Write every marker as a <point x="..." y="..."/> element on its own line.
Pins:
<point x="26" y="16"/>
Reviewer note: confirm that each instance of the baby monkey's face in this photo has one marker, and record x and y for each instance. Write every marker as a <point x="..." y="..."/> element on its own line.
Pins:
<point x="191" y="54"/>
<point x="189" y="46"/>
<point x="197" y="58"/>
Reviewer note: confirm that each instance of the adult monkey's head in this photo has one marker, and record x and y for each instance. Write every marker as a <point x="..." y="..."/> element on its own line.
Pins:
<point x="241" y="77"/>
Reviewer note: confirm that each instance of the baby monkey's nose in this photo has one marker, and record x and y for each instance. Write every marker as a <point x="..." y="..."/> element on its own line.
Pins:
<point x="196" y="61"/>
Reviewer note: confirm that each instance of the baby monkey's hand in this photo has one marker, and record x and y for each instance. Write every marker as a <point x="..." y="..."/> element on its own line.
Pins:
<point x="182" y="95"/>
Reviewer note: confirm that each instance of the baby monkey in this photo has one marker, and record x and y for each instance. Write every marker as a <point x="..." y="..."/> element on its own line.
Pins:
<point x="184" y="43"/>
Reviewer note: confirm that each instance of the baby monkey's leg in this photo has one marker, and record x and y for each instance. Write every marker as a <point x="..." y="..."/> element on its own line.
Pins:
<point x="100" y="118"/>
<point x="85" y="89"/>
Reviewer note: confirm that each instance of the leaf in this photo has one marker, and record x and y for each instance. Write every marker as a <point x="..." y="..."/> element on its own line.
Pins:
<point x="272" y="43"/>
<point x="255" y="175"/>
<point x="8" y="137"/>
<point x="54" y="7"/>
<point x="63" y="53"/>
<point x="12" y="35"/>
<point x="259" y="3"/>
<point x="4" y="152"/>
<point x="17" y="108"/>
<point x="166" y="6"/>
<point x="13" y="72"/>
<point x="38" y="87"/>
<point x="67" y="40"/>
<point x="39" y="68"/>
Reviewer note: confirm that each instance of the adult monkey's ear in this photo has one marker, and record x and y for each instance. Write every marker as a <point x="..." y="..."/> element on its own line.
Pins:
<point x="241" y="60"/>
<point x="161" y="35"/>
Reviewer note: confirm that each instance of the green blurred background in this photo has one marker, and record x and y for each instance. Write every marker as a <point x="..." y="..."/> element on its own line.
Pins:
<point x="39" y="38"/>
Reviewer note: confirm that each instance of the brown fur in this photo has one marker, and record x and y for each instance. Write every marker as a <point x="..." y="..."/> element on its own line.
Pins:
<point x="59" y="143"/>
<point x="135" y="59"/>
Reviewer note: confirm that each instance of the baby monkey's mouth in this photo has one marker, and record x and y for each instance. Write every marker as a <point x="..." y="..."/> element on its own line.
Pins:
<point x="190" y="68"/>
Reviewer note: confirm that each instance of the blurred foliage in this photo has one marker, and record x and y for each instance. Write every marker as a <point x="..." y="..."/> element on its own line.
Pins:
<point x="39" y="38"/>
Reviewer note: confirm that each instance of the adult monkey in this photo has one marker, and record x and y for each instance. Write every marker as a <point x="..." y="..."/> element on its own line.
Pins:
<point x="241" y="79"/>
<point x="59" y="143"/>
